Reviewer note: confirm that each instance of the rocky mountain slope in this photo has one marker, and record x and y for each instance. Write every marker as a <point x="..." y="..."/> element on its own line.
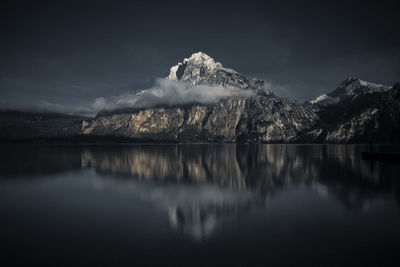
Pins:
<point x="258" y="117"/>
<point x="349" y="89"/>
<point x="363" y="112"/>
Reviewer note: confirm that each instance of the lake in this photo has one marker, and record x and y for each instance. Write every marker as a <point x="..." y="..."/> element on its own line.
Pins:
<point x="198" y="205"/>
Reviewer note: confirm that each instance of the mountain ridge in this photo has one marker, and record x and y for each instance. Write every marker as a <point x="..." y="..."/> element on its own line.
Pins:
<point x="351" y="87"/>
<point x="356" y="111"/>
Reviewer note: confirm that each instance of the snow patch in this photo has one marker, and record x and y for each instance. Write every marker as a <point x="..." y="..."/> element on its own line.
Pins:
<point x="319" y="98"/>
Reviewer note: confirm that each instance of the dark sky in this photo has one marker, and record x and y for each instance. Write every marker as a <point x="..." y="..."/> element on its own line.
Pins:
<point x="70" y="53"/>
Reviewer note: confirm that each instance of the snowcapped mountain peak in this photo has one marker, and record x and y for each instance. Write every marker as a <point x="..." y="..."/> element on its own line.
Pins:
<point x="353" y="86"/>
<point x="199" y="55"/>
<point x="191" y="68"/>
<point x="200" y="58"/>
<point x="200" y="68"/>
<point x="350" y="88"/>
<point x="349" y="80"/>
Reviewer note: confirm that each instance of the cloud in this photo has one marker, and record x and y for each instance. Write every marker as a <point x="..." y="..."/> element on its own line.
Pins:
<point x="169" y="92"/>
<point x="164" y="92"/>
<point x="278" y="89"/>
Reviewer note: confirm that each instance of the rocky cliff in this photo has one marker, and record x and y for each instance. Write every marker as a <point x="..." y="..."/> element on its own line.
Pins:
<point x="257" y="117"/>
<point x="348" y="90"/>
<point x="363" y="112"/>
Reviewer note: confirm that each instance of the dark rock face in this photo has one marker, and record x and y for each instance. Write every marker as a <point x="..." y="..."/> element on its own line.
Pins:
<point x="353" y="86"/>
<point x="372" y="116"/>
<point x="349" y="89"/>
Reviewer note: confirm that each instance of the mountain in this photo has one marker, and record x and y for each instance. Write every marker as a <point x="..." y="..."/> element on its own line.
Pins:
<point x="256" y="117"/>
<point x="349" y="89"/>
<point x="201" y="69"/>
<point x="363" y="112"/>
<point x="224" y="106"/>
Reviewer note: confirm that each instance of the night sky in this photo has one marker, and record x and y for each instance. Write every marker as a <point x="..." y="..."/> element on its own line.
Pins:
<point x="65" y="54"/>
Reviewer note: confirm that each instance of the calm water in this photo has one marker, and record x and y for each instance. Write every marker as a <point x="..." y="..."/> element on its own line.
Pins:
<point x="198" y="205"/>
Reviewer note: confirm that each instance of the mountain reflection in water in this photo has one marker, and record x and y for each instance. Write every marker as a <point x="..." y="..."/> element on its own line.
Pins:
<point x="262" y="170"/>
<point x="211" y="204"/>
<point x="201" y="185"/>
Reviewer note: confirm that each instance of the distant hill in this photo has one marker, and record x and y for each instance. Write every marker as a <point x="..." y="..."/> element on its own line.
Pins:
<point x="21" y="125"/>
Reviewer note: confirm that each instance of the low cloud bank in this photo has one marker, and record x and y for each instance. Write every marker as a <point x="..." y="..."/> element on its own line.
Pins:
<point x="168" y="92"/>
<point x="164" y="92"/>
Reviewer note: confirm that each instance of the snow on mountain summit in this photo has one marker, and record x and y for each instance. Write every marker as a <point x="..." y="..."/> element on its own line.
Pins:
<point x="201" y="69"/>
<point x="202" y="60"/>
<point x="351" y="87"/>
<point x="195" y="68"/>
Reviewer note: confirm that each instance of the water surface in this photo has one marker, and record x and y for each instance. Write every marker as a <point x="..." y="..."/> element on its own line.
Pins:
<point x="198" y="205"/>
